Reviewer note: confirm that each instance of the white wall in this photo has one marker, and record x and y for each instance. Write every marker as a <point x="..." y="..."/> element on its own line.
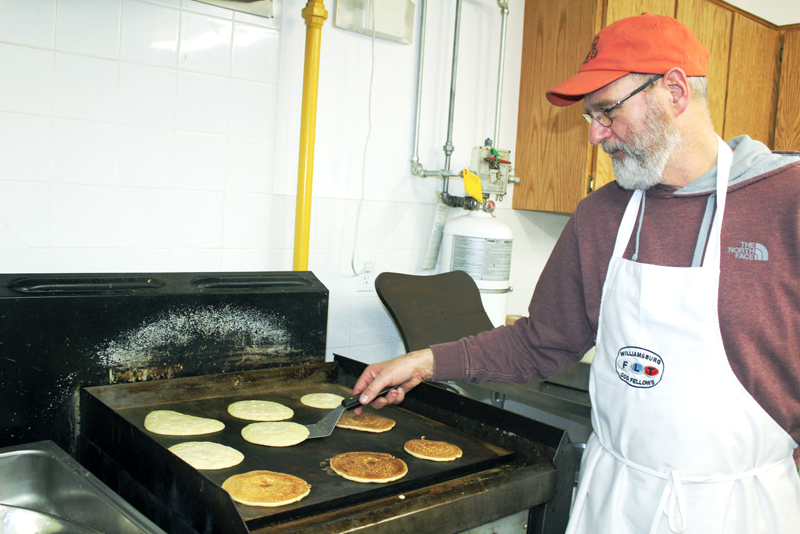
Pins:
<point x="162" y="135"/>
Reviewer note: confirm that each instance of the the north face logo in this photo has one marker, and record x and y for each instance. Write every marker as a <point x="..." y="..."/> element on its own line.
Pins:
<point x="750" y="251"/>
<point x="593" y="52"/>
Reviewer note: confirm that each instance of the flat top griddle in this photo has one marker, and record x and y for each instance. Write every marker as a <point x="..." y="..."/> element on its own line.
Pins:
<point x="309" y="459"/>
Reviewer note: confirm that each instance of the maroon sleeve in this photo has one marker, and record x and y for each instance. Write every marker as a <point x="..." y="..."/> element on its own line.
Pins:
<point x="564" y="310"/>
<point x="529" y="349"/>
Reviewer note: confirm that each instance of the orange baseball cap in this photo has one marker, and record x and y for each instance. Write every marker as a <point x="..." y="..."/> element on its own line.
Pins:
<point x="648" y="44"/>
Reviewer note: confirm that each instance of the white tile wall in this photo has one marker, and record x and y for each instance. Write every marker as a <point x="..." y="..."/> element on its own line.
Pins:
<point x="29" y="23"/>
<point x="150" y="34"/>
<point x="74" y="16"/>
<point x="162" y="135"/>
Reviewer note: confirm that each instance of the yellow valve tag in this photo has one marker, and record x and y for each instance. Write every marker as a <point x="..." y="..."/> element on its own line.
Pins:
<point x="472" y="185"/>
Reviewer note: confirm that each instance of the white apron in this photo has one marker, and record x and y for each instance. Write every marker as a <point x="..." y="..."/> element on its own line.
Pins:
<point x="679" y="445"/>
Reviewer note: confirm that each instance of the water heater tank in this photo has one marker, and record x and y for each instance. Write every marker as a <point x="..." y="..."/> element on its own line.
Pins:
<point x="480" y="245"/>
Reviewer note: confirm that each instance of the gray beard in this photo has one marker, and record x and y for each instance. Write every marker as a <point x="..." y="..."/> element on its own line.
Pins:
<point x="646" y="153"/>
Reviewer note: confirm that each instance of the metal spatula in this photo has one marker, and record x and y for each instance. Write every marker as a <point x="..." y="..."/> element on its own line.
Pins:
<point x="325" y="427"/>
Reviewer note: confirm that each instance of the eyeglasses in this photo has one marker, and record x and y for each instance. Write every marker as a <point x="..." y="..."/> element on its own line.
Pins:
<point x="601" y="115"/>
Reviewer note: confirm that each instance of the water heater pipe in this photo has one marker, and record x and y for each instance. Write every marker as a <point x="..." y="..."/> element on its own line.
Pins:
<point x="503" y="5"/>
<point x="416" y="168"/>
<point x="448" y="146"/>
<point x="315" y="15"/>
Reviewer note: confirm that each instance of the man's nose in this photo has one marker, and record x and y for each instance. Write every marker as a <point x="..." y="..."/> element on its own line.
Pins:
<point x="598" y="133"/>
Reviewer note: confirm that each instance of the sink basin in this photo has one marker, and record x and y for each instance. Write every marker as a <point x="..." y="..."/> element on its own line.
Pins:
<point x="43" y="489"/>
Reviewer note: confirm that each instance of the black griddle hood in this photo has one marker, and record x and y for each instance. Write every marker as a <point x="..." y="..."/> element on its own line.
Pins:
<point x="62" y="331"/>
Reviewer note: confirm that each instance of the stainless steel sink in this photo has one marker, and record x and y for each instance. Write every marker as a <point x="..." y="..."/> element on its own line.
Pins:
<point x="44" y="490"/>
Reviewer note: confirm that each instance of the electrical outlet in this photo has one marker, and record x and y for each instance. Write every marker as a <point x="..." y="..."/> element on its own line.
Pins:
<point x="365" y="281"/>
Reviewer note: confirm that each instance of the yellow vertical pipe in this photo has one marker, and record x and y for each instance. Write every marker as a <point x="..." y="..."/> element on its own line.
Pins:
<point x="314" y="15"/>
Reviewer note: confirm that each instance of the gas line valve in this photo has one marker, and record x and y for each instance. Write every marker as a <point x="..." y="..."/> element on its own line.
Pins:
<point x="493" y="166"/>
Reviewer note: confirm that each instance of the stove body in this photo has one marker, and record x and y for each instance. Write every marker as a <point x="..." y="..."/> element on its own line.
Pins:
<point x="89" y="355"/>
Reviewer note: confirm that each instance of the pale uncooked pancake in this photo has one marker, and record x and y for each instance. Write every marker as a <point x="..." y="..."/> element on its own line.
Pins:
<point x="281" y="434"/>
<point x="260" y="410"/>
<point x="207" y="454"/>
<point x="438" y="451"/>
<point x="326" y="401"/>
<point x="172" y="423"/>
<point x="366" y="422"/>
<point x="369" y="466"/>
<point x="266" y="488"/>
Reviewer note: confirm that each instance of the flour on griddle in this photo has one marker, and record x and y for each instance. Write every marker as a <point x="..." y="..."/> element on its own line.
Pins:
<point x="242" y="326"/>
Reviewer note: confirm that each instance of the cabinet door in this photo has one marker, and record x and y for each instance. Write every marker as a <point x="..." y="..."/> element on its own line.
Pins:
<point x="711" y="24"/>
<point x="620" y="9"/>
<point x="787" y="129"/>
<point x="551" y="160"/>
<point x="752" y="81"/>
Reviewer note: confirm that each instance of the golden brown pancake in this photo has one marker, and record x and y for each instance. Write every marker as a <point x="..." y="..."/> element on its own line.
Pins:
<point x="266" y="488"/>
<point x="369" y="466"/>
<point x="366" y="422"/>
<point x="438" y="451"/>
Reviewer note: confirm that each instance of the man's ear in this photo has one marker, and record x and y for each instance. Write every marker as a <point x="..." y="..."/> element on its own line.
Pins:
<point x="677" y="83"/>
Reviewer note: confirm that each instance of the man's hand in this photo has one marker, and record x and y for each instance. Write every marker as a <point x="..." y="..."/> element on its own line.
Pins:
<point x="405" y="372"/>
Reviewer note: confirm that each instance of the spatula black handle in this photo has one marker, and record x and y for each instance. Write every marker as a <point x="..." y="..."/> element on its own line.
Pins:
<point x="352" y="401"/>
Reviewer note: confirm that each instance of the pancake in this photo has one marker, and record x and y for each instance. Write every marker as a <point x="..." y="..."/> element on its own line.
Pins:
<point x="280" y="434"/>
<point x="169" y="423"/>
<point x="368" y="466"/>
<point x="438" y="451"/>
<point x="207" y="455"/>
<point x="260" y="410"/>
<point x="266" y="488"/>
<point x="366" y="422"/>
<point x="326" y="401"/>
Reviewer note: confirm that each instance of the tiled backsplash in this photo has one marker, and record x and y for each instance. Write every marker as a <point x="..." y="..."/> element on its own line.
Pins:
<point x="162" y="135"/>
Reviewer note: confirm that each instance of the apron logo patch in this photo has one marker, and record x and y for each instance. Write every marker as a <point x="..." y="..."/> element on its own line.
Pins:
<point x="638" y="367"/>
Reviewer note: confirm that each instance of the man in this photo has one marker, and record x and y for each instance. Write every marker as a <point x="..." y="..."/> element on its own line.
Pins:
<point x="695" y="385"/>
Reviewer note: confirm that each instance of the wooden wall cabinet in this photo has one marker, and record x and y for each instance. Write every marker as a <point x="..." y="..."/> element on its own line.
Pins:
<point x="752" y="89"/>
<point x="787" y="122"/>
<point x="552" y="149"/>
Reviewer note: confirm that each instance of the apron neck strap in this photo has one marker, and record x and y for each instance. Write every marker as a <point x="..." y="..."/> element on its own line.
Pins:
<point x="724" y="161"/>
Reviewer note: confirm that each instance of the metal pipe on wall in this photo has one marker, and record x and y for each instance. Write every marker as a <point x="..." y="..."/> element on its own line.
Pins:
<point x="448" y="146"/>
<point x="503" y="5"/>
<point x="315" y="15"/>
<point x="416" y="168"/>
